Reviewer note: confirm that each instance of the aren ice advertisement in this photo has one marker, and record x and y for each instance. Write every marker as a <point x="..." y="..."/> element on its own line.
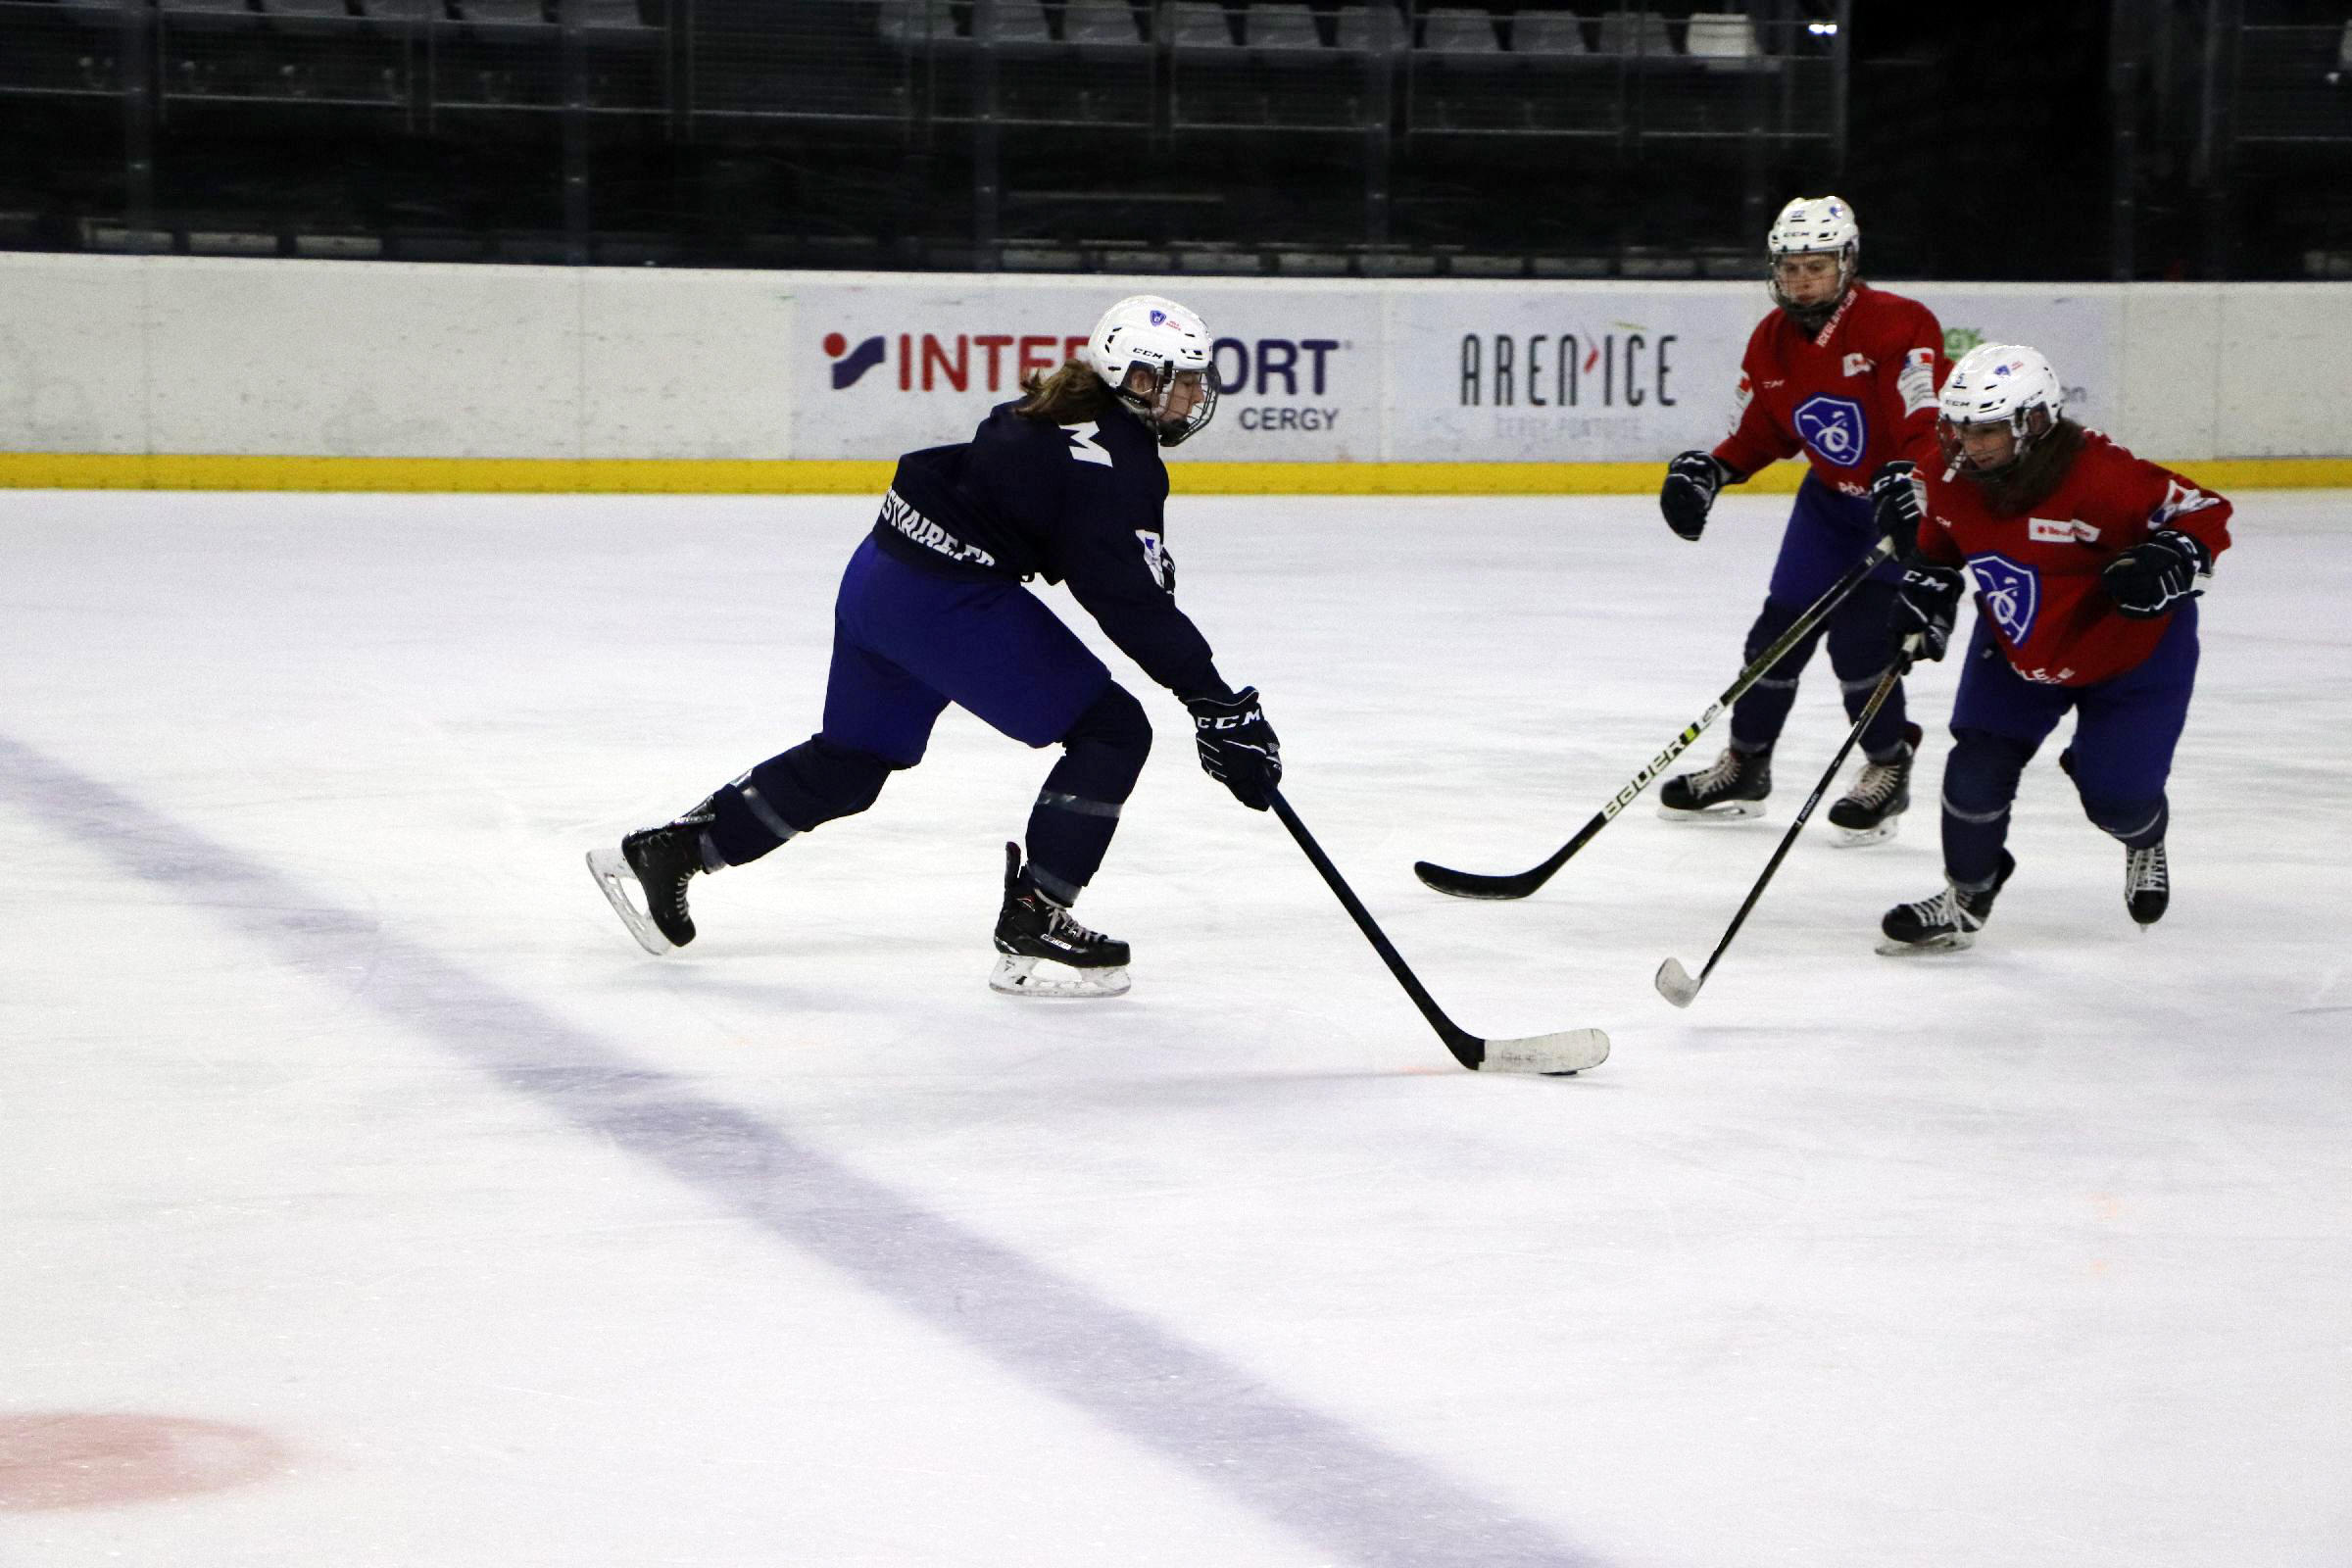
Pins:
<point x="1574" y="373"/>
<point x="890" y="365"/>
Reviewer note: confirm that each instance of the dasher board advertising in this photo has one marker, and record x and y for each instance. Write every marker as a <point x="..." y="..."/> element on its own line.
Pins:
<point x="1564" y="373"/>
<point x="887" y="366"/>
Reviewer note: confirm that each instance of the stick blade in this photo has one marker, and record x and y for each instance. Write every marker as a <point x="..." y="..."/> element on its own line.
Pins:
<point x="1569" y="1050"/>
<point x="1675" y="983"/>
<point x="1473" y="884"/>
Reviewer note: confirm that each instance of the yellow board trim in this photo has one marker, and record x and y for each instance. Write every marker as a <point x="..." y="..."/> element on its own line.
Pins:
<point x="105" y="471"/>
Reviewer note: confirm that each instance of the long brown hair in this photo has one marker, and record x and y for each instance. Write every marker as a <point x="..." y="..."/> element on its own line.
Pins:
<point x="2041" y="471"/>
<point x="1070" y="395"/>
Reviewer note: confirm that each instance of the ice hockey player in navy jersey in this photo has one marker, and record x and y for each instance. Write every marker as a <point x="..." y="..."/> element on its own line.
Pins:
<point x="1845" y="375"/>
<point x="1066" y="484"/>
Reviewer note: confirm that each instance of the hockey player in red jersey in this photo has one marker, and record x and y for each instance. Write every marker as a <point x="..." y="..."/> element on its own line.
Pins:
<point x="2085" y="559"/>
<point x="1845" y="375"/>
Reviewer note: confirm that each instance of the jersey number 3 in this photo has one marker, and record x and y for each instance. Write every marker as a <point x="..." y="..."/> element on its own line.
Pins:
<point x="1086" y="444"/>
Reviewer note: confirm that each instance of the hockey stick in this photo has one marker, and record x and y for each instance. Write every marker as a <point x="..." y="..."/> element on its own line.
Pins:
<point x="1674" y="982"/>
<point x="1569" y="1050"/>
<point x="1478" y="885"/>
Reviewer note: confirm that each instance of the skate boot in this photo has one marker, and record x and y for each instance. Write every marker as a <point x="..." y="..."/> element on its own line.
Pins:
<point x="1945" y="923"/>
<point x="2148" y="884"/>
<point x="658" y="861"/>
<point x="1881" y="793"/>
<point x="1733" y="788"/>
<point x="1033" y="929"/>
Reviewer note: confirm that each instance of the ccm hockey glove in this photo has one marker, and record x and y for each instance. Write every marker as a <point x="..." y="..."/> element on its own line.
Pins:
<point x="1236" y="744"/>
<point x="1927" y="602"/>
<point x="2153" y="576"/>
<point x="1895" y="509"/>
<point x="1692" y="479"/>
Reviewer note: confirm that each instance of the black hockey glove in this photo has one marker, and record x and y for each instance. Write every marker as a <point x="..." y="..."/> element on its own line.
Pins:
<point x="1236" y="744"/>
<point x="2153" y="577"/>
<point x="1895" y="509"/>
<point x="1927" y="603"/>
<point x="1691" y="482"/>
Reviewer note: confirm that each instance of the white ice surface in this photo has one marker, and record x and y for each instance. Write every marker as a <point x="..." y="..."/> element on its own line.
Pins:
<point x="2039" y="1255"/>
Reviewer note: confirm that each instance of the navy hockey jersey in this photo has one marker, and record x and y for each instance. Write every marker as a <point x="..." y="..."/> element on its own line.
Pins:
<point x="1080" y="504"/>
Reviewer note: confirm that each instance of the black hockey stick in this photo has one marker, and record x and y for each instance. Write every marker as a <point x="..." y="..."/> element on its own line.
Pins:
<point x="1674" y="982"/>
<point x="1478" y="885"/>
<point x="1569" y="1050"/>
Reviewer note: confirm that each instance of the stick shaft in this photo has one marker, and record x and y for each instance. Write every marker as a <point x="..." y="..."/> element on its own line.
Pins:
<point x="1870" y="711"/>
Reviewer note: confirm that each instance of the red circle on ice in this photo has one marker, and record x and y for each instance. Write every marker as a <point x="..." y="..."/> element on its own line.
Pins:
<point x="54" y="1460"/>
<point x="835" y="344"/>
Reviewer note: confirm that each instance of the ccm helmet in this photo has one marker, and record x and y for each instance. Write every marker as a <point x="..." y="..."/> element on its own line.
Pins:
<point x="1999" y="384"/>
<point x="1166" y="340"/>
<point x="1814" y="226"/>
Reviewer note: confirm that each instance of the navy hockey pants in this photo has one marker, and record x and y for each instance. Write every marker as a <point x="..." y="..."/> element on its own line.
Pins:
<point x="906" y="642"/>
<point x="2125" y="731"/>
<point x="1827" y="534"/>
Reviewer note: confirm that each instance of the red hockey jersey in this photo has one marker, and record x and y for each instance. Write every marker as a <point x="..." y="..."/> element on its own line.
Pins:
<point x="1859" y="395"/>
<point x="2037" y="576"/>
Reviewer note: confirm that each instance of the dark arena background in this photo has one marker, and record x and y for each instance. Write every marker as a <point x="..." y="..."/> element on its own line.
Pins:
<point x="2162" y="139"/>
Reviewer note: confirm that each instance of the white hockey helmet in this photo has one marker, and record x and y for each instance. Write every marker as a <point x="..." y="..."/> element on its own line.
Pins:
<point x="1998" y="384"/>
<point x="1162" y="337"/>
<point x="1812" y="225"/>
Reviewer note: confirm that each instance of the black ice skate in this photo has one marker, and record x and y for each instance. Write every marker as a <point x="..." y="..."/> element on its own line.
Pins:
<point x="1880" y="794"/>
<point x="1733" y="788"/>
<point x="2148" y="884"/>
<point x="658" y="861"/>
<point x="1032" y="930"/>
<point x="1945" y="923"/>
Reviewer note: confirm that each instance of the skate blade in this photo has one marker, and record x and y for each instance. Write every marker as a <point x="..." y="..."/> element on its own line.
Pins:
<point x="1955" y="941"/>
<point x="1728" y="811"/>
<point x="1017" y="976"/>
<point x="1854" y="838"/>
<point x="612" y="874"/>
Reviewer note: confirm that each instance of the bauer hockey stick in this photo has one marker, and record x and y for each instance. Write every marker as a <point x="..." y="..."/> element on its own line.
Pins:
<point x="1567" y="1051"/>
<point x="1479" y="885"/>
<point x="1674" y="982"/>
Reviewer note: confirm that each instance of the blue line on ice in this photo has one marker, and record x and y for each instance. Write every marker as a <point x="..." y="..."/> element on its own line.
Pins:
<point x="1303" y="1470"/>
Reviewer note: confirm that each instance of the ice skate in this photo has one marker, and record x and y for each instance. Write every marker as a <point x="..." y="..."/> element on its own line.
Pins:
<point x="2148" y="884"/>
<point x="1881" y="793"/>
<point x="1733" y="789"/>
<point x="656" y="862"/>
<point x="1043" y="952"/>
<point x="1945" y="923"/>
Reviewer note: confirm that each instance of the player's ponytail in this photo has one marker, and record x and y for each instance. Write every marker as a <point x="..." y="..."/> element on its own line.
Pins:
<point x="1070" y="395"/>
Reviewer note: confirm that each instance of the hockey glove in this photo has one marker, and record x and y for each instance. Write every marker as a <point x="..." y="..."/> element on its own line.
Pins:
<point x="1236" y="744"/>
<point x="1895" y="509"/>
<point x="1927" y="603"/>
<point x="2153" y="577"/>
<point x="1692" y="482"/>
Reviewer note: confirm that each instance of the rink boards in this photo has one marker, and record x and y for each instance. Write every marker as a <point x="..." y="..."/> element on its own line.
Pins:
<point x="209" y="373"/>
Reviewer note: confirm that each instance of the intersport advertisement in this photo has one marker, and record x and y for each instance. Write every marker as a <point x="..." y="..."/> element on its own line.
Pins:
<point x="892" y="365"/>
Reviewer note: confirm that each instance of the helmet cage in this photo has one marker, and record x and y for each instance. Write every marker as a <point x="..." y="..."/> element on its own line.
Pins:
<point x="1849" y="264"/>
<point x="2026" y="426"/>
<point x="1152" y="404"/>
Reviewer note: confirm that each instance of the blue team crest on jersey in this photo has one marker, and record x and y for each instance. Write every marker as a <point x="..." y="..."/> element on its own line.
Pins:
<point x="1833" y="427"/>
<point x="2010" y="593"/>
